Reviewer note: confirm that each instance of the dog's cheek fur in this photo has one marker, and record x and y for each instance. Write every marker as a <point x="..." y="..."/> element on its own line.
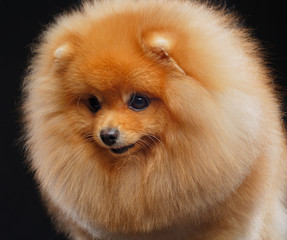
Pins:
<point x="213" y="161"/>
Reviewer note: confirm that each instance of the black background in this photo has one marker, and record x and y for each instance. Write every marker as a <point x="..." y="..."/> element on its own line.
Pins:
<point x="21" y="211"/>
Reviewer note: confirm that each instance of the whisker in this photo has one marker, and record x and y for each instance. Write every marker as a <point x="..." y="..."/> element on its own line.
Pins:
<point x="155" y="140"/>
<point x="79" y="99"/>
<point x="144" y="144"/>
<point x="68" y="104"/>
<point x="89" y="136"/>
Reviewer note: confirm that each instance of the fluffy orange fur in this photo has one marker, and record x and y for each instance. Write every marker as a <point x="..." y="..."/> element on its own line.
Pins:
<point x="209" y="154"/>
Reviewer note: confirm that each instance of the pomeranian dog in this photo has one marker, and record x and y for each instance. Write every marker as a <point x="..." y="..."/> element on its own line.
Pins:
<point x="155" y="120"/>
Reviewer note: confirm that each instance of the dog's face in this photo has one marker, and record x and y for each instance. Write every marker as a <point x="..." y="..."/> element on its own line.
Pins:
<point x="124" y="117"/>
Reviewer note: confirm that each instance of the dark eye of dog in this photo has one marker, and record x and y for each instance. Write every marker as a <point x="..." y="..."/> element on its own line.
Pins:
<point x="94" y="104"/>
<point x="138" y="102"/>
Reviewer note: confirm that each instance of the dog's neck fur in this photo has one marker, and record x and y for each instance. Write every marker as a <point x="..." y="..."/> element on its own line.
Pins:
<point x="227" y="220"/>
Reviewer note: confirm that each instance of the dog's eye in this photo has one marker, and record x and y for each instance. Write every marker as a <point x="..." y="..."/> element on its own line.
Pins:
<point x="138" y="102"/>
<point x="94" y="104"/>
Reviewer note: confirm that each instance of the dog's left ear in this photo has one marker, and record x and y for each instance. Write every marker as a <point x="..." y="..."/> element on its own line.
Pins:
<point x="159" y="46"/>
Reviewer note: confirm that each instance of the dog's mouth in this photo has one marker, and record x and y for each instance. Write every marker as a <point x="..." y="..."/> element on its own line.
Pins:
<point x="122" y="149"/>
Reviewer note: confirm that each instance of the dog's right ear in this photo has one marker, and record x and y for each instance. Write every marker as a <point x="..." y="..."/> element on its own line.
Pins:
<point x="62" y="56"/>
<point x="63" y="53"/>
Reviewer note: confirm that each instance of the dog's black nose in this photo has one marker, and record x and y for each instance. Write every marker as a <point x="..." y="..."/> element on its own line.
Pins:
<point x="109" y="136"/>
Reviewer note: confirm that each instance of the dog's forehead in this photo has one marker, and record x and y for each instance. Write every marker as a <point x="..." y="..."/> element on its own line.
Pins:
<point x="127" y="73"/>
